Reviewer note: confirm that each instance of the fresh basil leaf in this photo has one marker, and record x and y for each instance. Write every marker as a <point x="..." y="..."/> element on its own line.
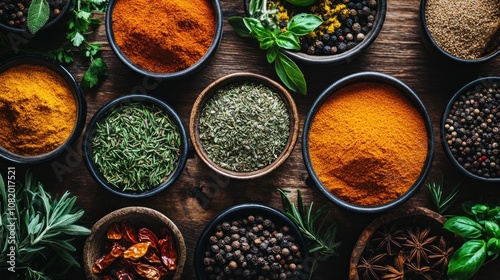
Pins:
<point x="464" y="227"/>
<point x="38" y="15"/>
<point x="255" y="6"/>
<point x="492" y="229"/>
<point x="493" y="246"/>
<point x="266" y="43"/>
<point x="479" y="209"/>
<point x="303" y="24"/>
<point x="239" y="26"/>
<point x="301" y="2"/>
<point x="467" y="260"/>
<point x="272" y="53"/>
<point x="256" y="28"/>
<point x="288" y="40"/>
<point x="493" y="212"/>
<point x="290" y="74"/>
<point x="467" y="207"/>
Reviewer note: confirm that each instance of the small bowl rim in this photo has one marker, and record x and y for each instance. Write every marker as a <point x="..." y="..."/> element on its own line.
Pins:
<point x="24" y="31"/>
<point x="207" y="94"/>
<point x="433" y="44"/>
<point x="120" y="214"/>
<point x="444" y="143"/>
<point x="239" y="210"/>
<point x="103" y="112"/>
<point x="411" y="96"/>
<point x="80" y="102"/>
<point x="173" y="75"/>
<point x="346" y="56"/>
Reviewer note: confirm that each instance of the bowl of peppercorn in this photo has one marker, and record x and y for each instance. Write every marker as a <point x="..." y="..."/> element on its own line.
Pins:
<point x="138" y="242"/>
<point x="14" y="18"/>
<point x="249" y="240"/>
<point x="348" y="28"/>
<point x="461" y="31"/>
<point x="470" y="129"/>
<point x="135" y="146"/>
<point x="244" y="125"/>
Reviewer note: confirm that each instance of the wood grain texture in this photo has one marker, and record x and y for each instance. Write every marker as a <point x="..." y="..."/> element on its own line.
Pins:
<point x="398" y="51"/>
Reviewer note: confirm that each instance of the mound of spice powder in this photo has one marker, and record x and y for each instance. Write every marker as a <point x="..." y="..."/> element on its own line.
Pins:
<point x="368" y="143"/>
<point x="464" y="28"/>
<point x="164" y="36"/>
<point x="37" y="110"/>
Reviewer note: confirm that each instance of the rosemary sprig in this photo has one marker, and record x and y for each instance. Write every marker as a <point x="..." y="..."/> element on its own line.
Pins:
<point x="436" y="191"/>
<point x="321" y="240"/>
<point x="44" y="229"/>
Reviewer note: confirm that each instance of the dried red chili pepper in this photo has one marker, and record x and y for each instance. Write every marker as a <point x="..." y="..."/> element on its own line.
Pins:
<point x="122" y="274"/>
<point x="106" y="260"/>
<point x="114" y="232"/>
<point x="151" y="257"/>
<point x="168" y="253"/>
<point x="146" y="235"/>
<point x="136" y="251"/>
<point x="147" y="271"/>
<point x="128" y="232"/>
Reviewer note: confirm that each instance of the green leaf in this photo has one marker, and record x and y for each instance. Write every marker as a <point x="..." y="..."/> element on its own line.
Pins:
<point x="83" y="15"/>
<point x="288" y="40"/>
<point x="266" y="43"/>
<point x="492" y="229"/>
<point x="75" y="230"/>
<point x="479" y="209"/>
<point x="493" y="246"/>
<point x="303" y="24"/>
<point x="239" y="26"/>
<point x="96" y="70"/>
<point x="254" y="6"/>
<point x="464" y="227"/>
<point x="257" y="30"/>
<point x="290" y="74"/>
<point x="76" y="38"/>
<point x="467" y="260"/>
<point x="272" y="53"/>
<point x="301" y="2"/>
<point x="38" y="15"/>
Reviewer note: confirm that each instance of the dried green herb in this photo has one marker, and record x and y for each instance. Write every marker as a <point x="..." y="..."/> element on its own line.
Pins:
<point x="136" y="147"/>
<point x="244" y="126"/>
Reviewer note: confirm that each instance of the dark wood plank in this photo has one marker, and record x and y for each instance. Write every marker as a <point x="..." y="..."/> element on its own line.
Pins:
<point x="398" y="51"/>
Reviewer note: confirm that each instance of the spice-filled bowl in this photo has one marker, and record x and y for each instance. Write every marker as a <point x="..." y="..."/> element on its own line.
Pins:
<point x="135" y="146"/>
<point x="244" y="125"/>
<point x="390" y="246"/>
<point x="42" y="109"/>
<point x="461" y="31"/>
<point x="168" y="43"/>
<point x="271" y="241"/>
<point x="368" y="142"/>
<point x="134" y="241"/>
<point x="348" y="28"/>
<point x="470" y="129"/>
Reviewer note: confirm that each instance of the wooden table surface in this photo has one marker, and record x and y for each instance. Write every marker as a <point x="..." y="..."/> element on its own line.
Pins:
<point x="398" y="51"/>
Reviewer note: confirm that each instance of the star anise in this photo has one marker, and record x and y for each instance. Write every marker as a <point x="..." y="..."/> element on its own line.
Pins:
<point x="420" y="271"/>
<point x="390" y="238"/>
<point x="396" y="272"/>
<point x="442" y="254"/>
<point x="368" y="267"/>
<point x="418" y="243"/>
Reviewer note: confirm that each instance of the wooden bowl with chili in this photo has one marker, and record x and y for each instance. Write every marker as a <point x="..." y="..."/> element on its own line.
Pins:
<point x="135" y="242"/>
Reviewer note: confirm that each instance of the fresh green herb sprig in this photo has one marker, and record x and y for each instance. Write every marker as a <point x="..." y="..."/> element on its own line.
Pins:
<point x="44" y="229"/>
<point x="321" y="240"/>
<point x="481" y="228"/>
<point x="436" y="191"/>
<point x="136" y="147"/>
<point x="262" y="25"/>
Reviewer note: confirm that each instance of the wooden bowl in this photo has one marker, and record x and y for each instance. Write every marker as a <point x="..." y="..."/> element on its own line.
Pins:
<point x="154" y="220"/>
<point x="210" y="90"/>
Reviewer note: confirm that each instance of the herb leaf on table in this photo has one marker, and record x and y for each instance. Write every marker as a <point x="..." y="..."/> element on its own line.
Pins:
<point x="38" y="15"/>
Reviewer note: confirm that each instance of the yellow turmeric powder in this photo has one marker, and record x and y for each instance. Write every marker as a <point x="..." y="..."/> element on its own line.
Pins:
<point x="368" y="144"/>
<point x="37" y="110"/>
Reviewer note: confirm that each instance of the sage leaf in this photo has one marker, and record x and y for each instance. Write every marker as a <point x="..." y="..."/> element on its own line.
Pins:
<point x="301" y="2"/>
<point x="38" y="15"/>
<point x="290" y="74"/>
<point x="239" y="26"/>
<point x="303" y="24"/>
<point x="288" y="40"/>
<point x="464" y="227"/>
<point x="467" y="260"/>
<point x="272" y="53"/>
<point x="493" y="246"/>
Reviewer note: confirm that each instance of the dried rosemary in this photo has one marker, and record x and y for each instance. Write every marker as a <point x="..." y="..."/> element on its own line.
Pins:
<point x="136" y="147"/>
<point x="244" y="126"/>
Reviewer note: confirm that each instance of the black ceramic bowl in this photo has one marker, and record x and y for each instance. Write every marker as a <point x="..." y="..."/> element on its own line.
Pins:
<point x="347" y="56"/>
<point x="167" y="76"/>
<point x="484" y="82"/>
<point x="53" y="25"/>
<point x="101" y="114"/>
<point x="437" y="51"/>
<point x="81" y="108"/>
<point x="410" y="95"/>
<point x="242" y="211"/>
